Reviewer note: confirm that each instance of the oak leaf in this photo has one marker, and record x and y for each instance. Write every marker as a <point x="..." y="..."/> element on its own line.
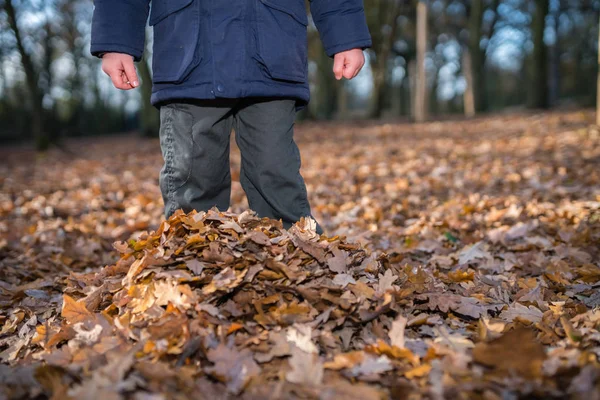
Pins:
<point x="517" y="351"/>
<point x="74" y="311"/>
<point x="306" y="368"/>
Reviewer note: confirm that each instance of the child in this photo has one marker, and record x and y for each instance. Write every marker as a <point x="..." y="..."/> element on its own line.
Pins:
<point x="220" y="65"/>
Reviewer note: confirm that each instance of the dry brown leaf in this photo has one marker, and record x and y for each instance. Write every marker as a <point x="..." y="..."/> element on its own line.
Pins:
<point x="234" y="368"/>
<point x="74" y="311"/>
<point x="306" y="368"/>
<point x="516" y="351"/>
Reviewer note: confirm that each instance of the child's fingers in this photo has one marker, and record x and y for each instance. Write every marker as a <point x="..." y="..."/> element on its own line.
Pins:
<point x="348" y="72"/>
<point x="338" y="66"/>
<point x="355" y="68"/>
<point x="117" y="79"/>
<point x="131" y="74"/>
<point x="360" y="67"/>
<point x="352" y="68"/>
<point x="114" y="74"/>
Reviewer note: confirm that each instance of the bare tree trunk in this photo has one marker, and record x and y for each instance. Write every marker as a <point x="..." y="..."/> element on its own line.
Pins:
<point x="4" y="103"/>
<point x="51" y="123"/>
<point x="431" y="103"/>
<point x="342" y="101"/>
<point x="149" y="116"/>
<point x="598" y="82"/>
<point x="421" y="84"/>
<point x="412" y="86"/>
<point x="554" y="78"/>
<point x="46" y="67"/>
<point x="468" y="96"/>
<point x="381" y="70"/>
<point x="328" y="88"/>
<point x="477" y="54"/>
<point x="405" y="89"/>
<point x="76" y="122"/>
<point x="41" y="139"/>
<point x="539" y="70"/>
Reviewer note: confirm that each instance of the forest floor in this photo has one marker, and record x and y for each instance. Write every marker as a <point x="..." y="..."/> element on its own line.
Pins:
<point x="460" y="259"/>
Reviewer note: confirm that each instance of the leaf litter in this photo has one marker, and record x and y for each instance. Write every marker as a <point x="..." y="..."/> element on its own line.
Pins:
<point x="485" y="294"/>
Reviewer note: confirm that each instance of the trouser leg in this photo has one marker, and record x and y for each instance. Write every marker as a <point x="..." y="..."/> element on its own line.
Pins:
<point x="270" y="168"/>
<point x="194" y="140"/>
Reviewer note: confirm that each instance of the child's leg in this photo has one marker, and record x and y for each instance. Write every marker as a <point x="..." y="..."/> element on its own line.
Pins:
<point x="194" y="140"/>
<point x="270" y="171"/>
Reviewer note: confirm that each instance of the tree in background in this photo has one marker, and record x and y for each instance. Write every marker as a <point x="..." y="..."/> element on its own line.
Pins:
<point x="421" y="81"/>
<point x="538" y="72"/>
<point x="149" y="116"/>
<point x="476" y="56"/>
<point x="479" y="56"/>
<point x="74" y="114"/>
<point x="47" y="43"/>
<point x="384" y="32"/>
<point x="31" y="77"/>
<point x="474" y="33"/>
<point x="469" y="94"/>
<point x="324" y="89"/>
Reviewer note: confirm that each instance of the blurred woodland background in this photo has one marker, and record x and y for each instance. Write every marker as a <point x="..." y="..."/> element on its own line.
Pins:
<point x="430" y="59"/>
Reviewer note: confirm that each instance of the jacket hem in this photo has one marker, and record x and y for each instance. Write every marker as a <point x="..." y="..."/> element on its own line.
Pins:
<point x="254" y="89"/>
<point x="99" y="48"/>
<point x="356" y="44"/>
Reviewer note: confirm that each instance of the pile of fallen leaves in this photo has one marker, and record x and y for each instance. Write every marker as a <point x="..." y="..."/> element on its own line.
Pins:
<point x="217" y="303"/>
<point x="469" y="267"/>
<point x="210" y="297"/>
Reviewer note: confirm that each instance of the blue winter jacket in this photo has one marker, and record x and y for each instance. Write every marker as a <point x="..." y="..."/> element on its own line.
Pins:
<point x="206" y="49"/>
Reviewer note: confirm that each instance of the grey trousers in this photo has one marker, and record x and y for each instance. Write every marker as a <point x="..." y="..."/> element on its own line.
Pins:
<point x="194" y="140"/>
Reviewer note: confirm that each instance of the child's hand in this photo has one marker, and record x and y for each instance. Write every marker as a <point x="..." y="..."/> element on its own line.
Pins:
<point x="121" y="70"/>
<point x="348" y="63"/>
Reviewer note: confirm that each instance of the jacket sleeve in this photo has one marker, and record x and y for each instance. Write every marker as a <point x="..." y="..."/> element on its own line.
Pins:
<point x="119" y="26"/>
<point x="342" y="24"/>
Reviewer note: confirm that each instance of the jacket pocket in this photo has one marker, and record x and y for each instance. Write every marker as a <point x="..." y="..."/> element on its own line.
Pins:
<point x="281" y="35"/>
<point x="176" y="49"/>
